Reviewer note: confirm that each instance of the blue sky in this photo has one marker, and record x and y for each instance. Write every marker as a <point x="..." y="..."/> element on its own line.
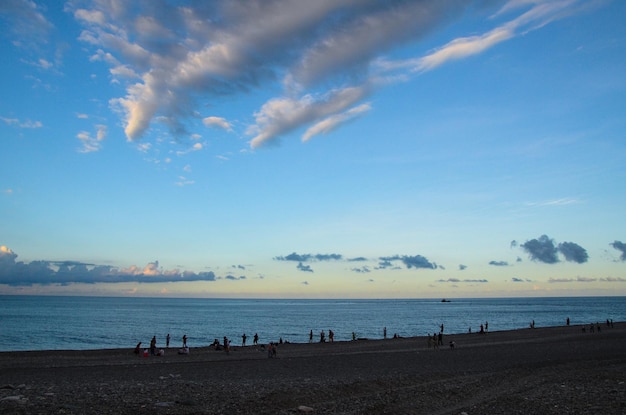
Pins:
<point x="313" y="149"/>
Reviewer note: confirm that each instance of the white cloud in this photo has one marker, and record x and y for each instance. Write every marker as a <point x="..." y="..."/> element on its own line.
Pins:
<point x="22" y="124"/>
<point x="91" y="143"/>
<point x="281" y="115"/>
<point x="462" y="48"/>
<point x="319" y="52"/>
<point x="218" y="122"/>
<point x="329" y="124"/>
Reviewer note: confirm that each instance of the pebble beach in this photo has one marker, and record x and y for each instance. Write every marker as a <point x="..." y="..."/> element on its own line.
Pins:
<point x="553" y="370"/>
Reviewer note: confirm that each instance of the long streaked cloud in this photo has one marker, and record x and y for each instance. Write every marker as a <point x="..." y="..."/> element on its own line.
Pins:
<point x="323" y="58"/>
<point x="21" y="123"/>
<point x="466" y="281"/>
<point x="309" y="257"/>
<point x="18" y="273"/>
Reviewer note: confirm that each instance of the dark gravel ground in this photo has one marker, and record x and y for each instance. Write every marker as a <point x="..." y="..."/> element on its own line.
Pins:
<point x="558" y="370"/>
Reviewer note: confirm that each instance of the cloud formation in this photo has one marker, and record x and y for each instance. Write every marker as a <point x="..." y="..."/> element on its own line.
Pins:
<point x="17" y="273"/>
<point x="620" y="246"/>
<point x="308" y="257"/>
<point x="325" y="57"/>
<point x="544" y="249"/>
<point x="416" y="261"/>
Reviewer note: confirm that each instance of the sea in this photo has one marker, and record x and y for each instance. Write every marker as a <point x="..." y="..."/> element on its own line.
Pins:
<point x="86" y="323"/>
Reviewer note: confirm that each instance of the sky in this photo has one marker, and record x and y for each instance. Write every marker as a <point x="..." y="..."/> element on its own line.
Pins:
<point x="326" y="149"/>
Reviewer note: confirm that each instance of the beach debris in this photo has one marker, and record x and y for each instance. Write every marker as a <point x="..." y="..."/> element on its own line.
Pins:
<point x="306" y="409"/>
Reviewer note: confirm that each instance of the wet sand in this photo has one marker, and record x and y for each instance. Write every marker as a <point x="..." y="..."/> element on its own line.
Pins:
<point x="557" y="370"/>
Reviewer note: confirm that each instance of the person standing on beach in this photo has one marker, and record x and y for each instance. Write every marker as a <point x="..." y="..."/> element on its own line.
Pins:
<point x="311" y="336"/>
<point x="256" y="339"/>
<point x="243" y="340"/>
<point x="184" y="340"/>
<point x="153" y="346"/>
<point x="486" y="326"/>
<point x="167" y="341"/>
<point x="385" y="332"/>
<point x="226" y="345"/>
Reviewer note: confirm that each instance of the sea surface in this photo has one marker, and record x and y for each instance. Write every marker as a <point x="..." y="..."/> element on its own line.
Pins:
<point x="82" y="323"/>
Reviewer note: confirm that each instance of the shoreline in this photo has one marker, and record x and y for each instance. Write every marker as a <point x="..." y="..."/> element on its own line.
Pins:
<point x="542" y="370"/>
<point x="205" y="347"/>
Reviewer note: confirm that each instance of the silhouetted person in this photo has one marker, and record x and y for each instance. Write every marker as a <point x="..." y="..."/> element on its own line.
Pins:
<point x="243" y="339"/>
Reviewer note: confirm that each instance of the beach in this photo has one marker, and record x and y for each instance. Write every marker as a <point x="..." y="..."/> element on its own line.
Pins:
<point x="552" y="370"/>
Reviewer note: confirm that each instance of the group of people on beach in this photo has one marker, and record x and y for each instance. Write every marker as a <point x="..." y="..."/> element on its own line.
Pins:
<point x="152" y="351"/>
<point x="597" y="327"/>
<point x="434" y="341"/>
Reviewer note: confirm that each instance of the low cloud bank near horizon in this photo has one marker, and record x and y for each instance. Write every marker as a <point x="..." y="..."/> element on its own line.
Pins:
<point x="18" y="273"/>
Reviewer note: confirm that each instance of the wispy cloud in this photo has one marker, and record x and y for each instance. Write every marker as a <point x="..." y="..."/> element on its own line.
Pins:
<point x="554" y="202"/>
<point x="92" y="143"/>
<point x="325" y="58"/>
<point x="21" y="123"/>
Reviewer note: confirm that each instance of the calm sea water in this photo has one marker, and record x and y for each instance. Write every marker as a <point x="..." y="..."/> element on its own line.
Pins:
<point x="80" y="323"/>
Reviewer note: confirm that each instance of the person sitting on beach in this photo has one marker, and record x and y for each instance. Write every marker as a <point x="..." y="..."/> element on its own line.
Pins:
<point x="183" y="350"/>
<point x="452" y="344"/>
<point x="138" y="349"/>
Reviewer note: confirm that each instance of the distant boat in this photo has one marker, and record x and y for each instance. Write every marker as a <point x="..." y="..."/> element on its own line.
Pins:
<point x="445" y="301"/>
